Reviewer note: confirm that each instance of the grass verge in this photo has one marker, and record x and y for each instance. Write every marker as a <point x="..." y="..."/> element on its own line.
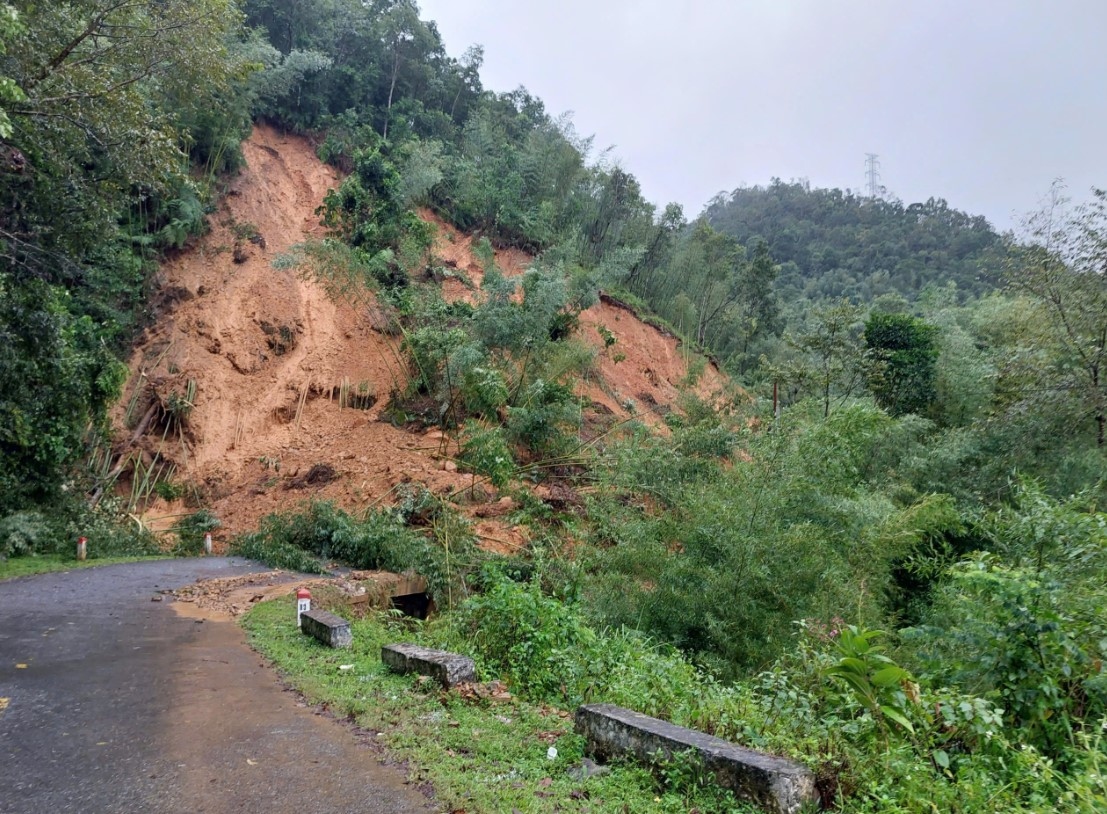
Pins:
<point x="478" y="755"/>
<point x="50" y="563"/>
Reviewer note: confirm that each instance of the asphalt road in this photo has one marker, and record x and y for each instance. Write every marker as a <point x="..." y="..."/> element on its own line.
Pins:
<point x="116" y="704"/>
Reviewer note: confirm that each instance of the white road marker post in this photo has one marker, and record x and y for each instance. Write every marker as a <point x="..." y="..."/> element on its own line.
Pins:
<point x="82" y="547"/>
<point x="303" y="603"/>
<point x="207" y="544"/>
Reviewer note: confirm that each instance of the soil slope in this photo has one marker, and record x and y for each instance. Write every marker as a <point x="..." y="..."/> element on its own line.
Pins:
<point x="237" y="386"/>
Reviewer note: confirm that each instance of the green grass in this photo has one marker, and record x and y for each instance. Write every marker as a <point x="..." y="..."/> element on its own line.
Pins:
<point x="50" y="563"/>
<point x="480" y="756"/>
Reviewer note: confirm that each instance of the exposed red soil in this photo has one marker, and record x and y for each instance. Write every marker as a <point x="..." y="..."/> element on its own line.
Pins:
<point x="453" y="251"/>
<point x="268" y="353"/>
<point x="645" y="370"/>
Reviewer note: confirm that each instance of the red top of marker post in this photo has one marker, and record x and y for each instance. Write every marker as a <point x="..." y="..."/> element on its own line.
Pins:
<point x="82" y="540"/>
<point x="303" y="593"/>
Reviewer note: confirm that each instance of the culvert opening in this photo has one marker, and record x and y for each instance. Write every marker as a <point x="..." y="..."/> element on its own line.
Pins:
<point x="417" y="605"/>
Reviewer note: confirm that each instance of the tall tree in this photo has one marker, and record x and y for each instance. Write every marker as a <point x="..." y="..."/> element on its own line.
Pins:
<point x="91" y="141"/>
<point x="758" y="309"/>
<point x="1065" y="270"/>
<point x="89" y="124"/>
<point x="906" y="348"/>
<point x="833" y="350"/>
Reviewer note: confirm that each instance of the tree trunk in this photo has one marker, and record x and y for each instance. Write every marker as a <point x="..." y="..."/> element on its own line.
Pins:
<point x="391" y="90"/>
<point x="1100" y="416"/>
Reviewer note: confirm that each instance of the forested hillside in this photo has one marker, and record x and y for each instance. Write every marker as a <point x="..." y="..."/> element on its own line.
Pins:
<point x="832" y="244"/>
<point x="880" y="551"/>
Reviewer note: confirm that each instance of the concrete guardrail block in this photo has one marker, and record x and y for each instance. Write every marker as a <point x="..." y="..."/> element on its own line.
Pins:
<point x="331" y="630"/>
<point x="445" y="667"/>
<point x="776" y="784"/>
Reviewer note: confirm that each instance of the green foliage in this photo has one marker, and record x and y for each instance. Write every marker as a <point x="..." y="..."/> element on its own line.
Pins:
<point x="90" y="126"/>
<point x="706" y="284"/>
<point x="345" y="273"/>
<point x="1024" y="623"/>
<point x="833" y="244"/>
<point x="486" y="453"/>
<point x="536" y="642"/>
<point x="95" y="178"/>
<point x="720" y="559"/>
<point x="191" y="530"/>
<point x="541" y="421"/>
<point x="881" y="685"/>
<point x="830" y="357"/>
<point x="58" y="379"/>
<point x="275" y="553"/>
<point x="385" y="64"/>
<point x="282" y="76"/>
<point x="686" y="775"/>
<point x="111" y="531"/>
<point x="516" y="177"/>
<point x="369" y="209"/>
<point x="24" y="533"/>
<point x="1062" y="270"/>
<point x="504" y="361"/>
<point x="906" y="350"/>
<point x="10" y="92"/>
<point x="385" y="539"/>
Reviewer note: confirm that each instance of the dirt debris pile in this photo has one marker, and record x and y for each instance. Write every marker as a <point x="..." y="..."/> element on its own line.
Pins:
<point x="255" y="391"/>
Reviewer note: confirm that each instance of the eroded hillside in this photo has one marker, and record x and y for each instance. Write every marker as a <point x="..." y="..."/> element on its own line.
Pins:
<point x="254" y="390"/>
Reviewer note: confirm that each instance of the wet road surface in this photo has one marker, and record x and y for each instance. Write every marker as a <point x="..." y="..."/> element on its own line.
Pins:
<point x="114" y="703"/>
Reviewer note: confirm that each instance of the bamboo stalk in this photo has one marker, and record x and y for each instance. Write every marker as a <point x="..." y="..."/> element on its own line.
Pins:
<point x="300" y="406"/>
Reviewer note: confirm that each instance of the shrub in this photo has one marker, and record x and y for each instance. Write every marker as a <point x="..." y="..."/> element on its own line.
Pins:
<point x="110" y="529"/>
<point x="275" y="553"/>
<point x="381" y="539"/>
<point x="541" y="422"/>
<point x="24" y="533"/>
<point x="485" y="452"/>
<point x="191" y="531"/>
<point x="539" y="644"/>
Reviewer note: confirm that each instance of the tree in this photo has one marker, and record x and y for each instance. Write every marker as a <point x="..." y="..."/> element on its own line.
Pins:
<point x="89" y="124"/>
<point x="57" y="381"/>
<point x="907" y="349"/>
<point x="709" y="265"/>
<point x="659" y="247"/>
<point x="93" y="93"/>
<point x="834" y="350"/>
<point x="758" y="310"/>
<point x="10" y="92"/>
<point x="400" y="28"/>
<point x="1064" y="269"/>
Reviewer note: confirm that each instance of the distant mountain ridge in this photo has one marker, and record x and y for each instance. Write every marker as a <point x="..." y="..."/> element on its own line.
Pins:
<point x="832" y="244"/>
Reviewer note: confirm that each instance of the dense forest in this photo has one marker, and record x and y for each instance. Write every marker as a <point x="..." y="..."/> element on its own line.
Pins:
<point x="834" y="244"/>
<point x="898" y="575"/>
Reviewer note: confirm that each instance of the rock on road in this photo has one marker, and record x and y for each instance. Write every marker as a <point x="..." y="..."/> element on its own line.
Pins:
<point x="116" y="704"/>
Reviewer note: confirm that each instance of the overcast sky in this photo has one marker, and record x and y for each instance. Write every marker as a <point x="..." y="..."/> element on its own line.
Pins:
<point x="980" y="102"/>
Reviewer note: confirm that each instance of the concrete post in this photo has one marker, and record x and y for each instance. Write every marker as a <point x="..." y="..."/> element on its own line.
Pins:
<point x="303" y="603"/>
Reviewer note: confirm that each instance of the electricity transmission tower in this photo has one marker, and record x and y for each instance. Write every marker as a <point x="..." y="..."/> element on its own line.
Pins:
<point x="872" y="175"/>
